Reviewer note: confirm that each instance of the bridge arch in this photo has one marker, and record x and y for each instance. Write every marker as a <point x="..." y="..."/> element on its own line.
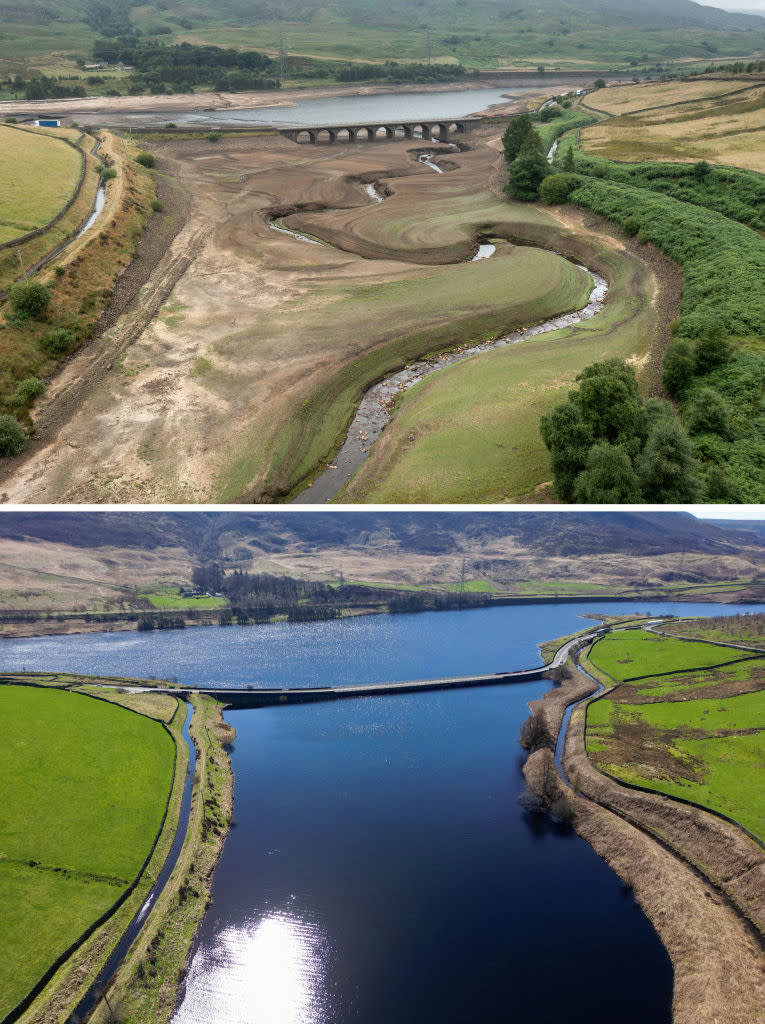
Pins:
<point x="305" y="135"/>
<point x="325" y="135"/>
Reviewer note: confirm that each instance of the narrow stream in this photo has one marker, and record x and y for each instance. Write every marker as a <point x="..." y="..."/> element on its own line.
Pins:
<point x="425" y="158"/>
<point x="372" y="192"/>
<point x="97" y="208"/>
<point x="274" y="225"/>
<point x="376" y="407"/>
<point x="95" y="992"/>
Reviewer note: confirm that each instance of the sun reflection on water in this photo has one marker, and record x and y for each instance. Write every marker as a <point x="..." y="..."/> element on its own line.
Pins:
<point x="271" y="970"/>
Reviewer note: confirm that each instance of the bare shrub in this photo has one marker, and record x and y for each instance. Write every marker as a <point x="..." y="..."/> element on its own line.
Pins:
<point x="534" y="733"/>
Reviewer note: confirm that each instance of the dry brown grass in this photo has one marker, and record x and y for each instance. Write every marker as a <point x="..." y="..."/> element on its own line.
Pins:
<point x="726" y="130"/>
<point x="623" y="99"/>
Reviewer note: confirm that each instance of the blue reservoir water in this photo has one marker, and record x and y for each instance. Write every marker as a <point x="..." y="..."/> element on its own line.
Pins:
<point x="381" y="869"/>
<point x="366" y="649"/>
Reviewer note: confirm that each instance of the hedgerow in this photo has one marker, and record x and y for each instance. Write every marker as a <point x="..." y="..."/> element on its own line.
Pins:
<point x="735" y="193"/>
<point x="723" y="261"/>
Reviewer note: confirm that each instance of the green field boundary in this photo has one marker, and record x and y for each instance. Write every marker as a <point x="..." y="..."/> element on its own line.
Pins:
<point x="23" y="1005"/>
<point x="647" y="789"/>
<point x="12" y="243"/>
<point x="678" y="103"/>
<point x="715" y="643"/>
<point x="656" y="792"/>
<point x="680" y="671"/>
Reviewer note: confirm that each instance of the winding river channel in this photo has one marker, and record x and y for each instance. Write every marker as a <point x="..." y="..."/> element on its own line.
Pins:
<point x="381" y="868"/>
<point x="377" y="405"/>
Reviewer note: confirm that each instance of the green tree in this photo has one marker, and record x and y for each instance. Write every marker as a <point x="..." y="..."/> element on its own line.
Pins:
<point x="568" y="439"/>
<point x="678" y="367"/>
<point x="532" y="143"/>
<point x="720" y="486"/>
<point x="599" y="83"/>
<point x="57" y="342"/>
<point x="655" y="409"/>
<point x="526" y="174"/>
<point x="568" y="164"/>
<point x="12" y="436"/>
<point x="550" y="113"/>
<point x="712" y="350"/>
<point x="514" y="134"/>
<point x="667" y="471"/>
<point x="610" y="401"/>
<point x="29" y="297"/>
<point x="700" y="170"/>
<point x="608" y="478"/>
<point x="556" y="188"/>
<point x="708" y="413"/>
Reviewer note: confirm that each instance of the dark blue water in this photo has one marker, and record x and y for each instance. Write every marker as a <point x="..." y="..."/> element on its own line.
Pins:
<point x="366" y="649"/>
<point x="382" y="871"/>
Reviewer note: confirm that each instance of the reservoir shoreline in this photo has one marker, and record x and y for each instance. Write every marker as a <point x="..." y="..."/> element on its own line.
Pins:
<point x="77" y="623"/>
<point x="683" y="864"/>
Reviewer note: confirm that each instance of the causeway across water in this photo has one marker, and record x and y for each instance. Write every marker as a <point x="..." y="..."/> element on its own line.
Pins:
<point x="256" y="697"/>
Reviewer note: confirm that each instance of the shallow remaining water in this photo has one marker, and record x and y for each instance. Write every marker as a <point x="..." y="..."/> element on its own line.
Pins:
<point x="405" y="106"/>
<point x="289" y="109"/>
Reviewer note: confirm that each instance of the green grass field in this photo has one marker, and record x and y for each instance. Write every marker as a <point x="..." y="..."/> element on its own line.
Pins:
<point x="38" y="175"/>
<point x="711" y="751"/>
<point x="86" y="784"/>
<point x="627" y="655"/>
<point x="172" y="599"/>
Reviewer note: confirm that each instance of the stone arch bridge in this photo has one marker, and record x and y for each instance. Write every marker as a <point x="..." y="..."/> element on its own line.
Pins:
<point x="370" y="131"/>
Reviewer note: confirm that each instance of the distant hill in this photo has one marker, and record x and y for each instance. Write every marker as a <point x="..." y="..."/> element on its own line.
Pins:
<point x="480" y="33"/>
<point x="566" y="534"/>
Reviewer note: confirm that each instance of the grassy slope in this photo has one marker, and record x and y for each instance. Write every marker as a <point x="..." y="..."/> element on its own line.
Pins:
<point x="743" y="629"/>
<point x="491" y="450"/>
<point x="638" y="653"/>
<point x="36" y="248"/>
<point x="724" y="129"/>
<point x="38" y="174"/>
<point x="482" y="33"/>
<point x="440" y="307"/>
<point x="89" y="782"/>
